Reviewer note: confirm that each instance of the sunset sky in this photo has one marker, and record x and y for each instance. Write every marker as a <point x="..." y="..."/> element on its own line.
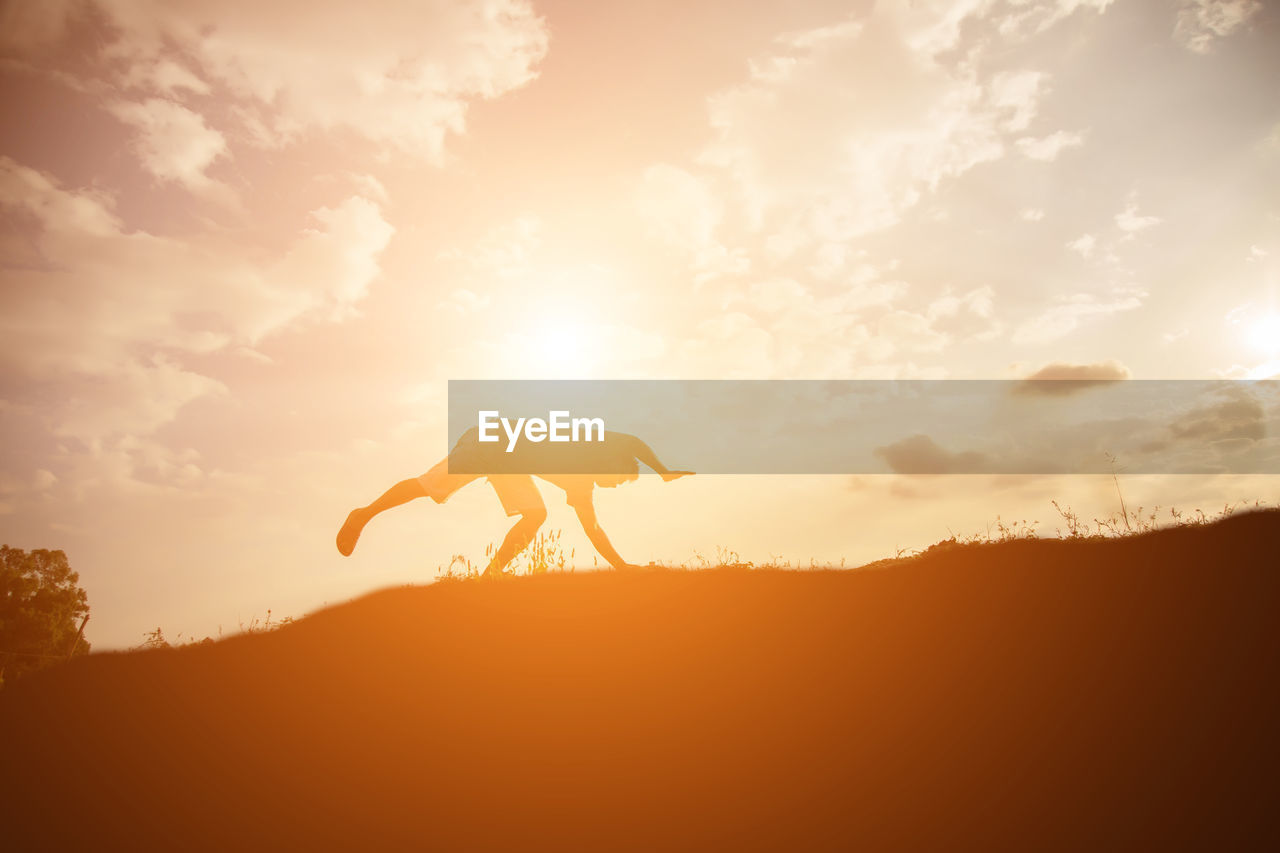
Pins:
<point x="245" y="245"/>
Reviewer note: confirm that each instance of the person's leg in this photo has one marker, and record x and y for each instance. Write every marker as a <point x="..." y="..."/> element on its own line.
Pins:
<point x="520" y="497"/>
<point x="401" y="493"/>
<point x="645" y="454"/>
<point x="519" y="536"/>
<point x="437" y="484"/>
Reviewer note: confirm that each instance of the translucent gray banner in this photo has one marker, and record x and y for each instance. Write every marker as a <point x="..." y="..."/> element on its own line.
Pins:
<point x="867" y="426"/>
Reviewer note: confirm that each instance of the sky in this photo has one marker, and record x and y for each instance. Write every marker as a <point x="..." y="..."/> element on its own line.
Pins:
<point x="245" y="245"/>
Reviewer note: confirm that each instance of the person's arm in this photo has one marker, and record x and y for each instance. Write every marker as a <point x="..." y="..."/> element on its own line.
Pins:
<point x="587" y="515"/>
<point x="646" y="455"/>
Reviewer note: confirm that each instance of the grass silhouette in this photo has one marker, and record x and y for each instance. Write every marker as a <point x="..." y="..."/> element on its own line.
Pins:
<point x="1091" y="690"/>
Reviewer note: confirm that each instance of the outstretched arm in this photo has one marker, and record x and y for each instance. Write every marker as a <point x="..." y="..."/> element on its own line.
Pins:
<point x="646" y="455"/>
<point x="587" y="515"/>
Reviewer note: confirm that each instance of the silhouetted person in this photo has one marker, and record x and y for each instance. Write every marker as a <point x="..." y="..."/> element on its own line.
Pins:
<point x="617" y="456"/>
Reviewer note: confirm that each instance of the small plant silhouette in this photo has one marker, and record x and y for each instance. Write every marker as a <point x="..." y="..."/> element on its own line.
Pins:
<point x="544" y="554"/>
<point x="157" y="640"/>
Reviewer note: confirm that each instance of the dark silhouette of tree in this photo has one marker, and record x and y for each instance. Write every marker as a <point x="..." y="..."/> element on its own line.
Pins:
<point x="41" y="607"/>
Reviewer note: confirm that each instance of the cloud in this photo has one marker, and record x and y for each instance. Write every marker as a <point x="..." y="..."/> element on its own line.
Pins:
<point x="505" y="251"/>
<point x="1063" y="318"/>
<point x="920" y="454"/>
<point x="462" y="301"/>
<point x="821" y="167"/>
<point x="134" y="398"/>
<point x="369" y="186"/>
<point x="333" y="263"/>
<point x="174" y="143"/>
<point x="882" y="113"/>
<point x="907" y="331"/>
<point x="1129" y="221"/>
<point x="400" y="74"/>
<point x="1027" y="17"/>
<point x="1061" y="378"/>
<point x="401" y="77"/>
<point x="166" y="77"/>
<point x="732" y="345"/>
<point x="797" y="327"/>
<point x="948" y="318"/>
<point x="679" y="207"/>
<point x="1201" y="23"/>
<point x="1148" y="427"/>
<point x="103" y="315"/>
<point x="681" y="210"/>
<point x="1239" y="415"/>
<point x="1083" y="245"/>
<point x="1047" y="148"/>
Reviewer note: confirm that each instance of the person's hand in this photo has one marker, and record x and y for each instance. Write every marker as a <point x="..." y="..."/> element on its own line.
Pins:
<point x="639" y="567"/>
<point x="675" y="475"/>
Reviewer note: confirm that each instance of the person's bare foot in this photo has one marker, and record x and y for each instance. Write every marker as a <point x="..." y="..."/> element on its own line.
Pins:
<point x="350" y="531"/>
<point x="675" y="475"/>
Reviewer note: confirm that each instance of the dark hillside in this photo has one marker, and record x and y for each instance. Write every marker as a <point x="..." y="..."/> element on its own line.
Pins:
<point x="1029" y="694"/>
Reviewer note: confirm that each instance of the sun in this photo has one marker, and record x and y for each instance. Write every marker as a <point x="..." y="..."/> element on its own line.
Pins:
<point x="1264" y="333"/>
<point x="561" y="346"/>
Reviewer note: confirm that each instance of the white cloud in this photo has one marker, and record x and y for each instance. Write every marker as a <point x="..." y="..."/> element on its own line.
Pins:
<point x="907" y="331"/>
<point x="1201" y="23"/>
<point x="131" y="399"/>
<point x="174" y="142"/>
<point x="783" y="327"/>
<point x="881" y="115"/>
<point x="506" y="251"/>
<point x="462" y="301"/>
<point x="1018" y="92"/>
<point x="1047" y="148"/>
<point x="679" y="207"/>
<point x="400" y="76"/>
<point x="1032" y="214"/>
<point x="336" y="261"/>
<point x="730" y="345"/>
<point x="1129" y="220"/>
<point x="1084" y="245"/>
<point x="106" y="327"/>
<point x="166" y="77"/>
<point x="369" y="186"/>
<point x="681" y="210"/>
<point x="1063" y="318"/>
<point x="1027" y="17"/>
<point x="970" y="315"/>
<point x="949" y="318"/>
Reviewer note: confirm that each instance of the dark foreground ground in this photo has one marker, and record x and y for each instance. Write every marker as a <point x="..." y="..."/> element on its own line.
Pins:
<point x="1028" y="695"/>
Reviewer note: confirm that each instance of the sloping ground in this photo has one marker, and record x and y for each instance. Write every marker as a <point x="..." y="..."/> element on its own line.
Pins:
<point x="1032" y="694"/>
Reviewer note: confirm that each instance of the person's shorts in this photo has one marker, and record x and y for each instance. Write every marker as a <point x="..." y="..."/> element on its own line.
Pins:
<point x="517" y="492"/>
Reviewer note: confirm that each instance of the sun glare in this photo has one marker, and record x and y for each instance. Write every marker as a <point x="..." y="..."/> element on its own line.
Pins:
<point x="561" y="348"/>
<point x="1264" y="333"/>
